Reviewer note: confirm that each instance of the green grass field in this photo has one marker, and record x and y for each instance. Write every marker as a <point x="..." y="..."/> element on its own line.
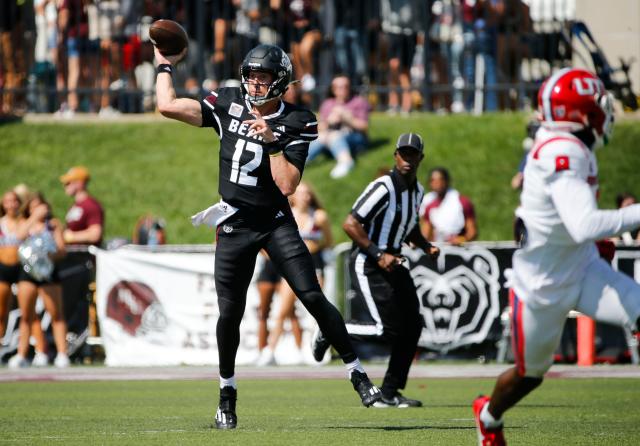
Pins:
<point x="310" y="412"/>
<point x="170" y="169"/>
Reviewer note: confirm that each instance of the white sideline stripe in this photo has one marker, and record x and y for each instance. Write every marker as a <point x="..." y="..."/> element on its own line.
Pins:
<point x="419" y="370"/>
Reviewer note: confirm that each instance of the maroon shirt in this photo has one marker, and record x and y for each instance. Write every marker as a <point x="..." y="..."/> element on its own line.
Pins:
<point x="86" y="213"/>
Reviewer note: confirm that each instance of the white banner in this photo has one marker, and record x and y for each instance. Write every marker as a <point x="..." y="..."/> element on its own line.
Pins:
<point x="160" y="308"/>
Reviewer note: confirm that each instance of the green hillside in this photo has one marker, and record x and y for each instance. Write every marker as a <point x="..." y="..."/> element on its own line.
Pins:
<point x="170" y="169"/>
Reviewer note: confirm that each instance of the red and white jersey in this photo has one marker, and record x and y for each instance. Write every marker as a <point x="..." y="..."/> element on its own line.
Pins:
<point x="559" y="210"/>
<point x="447" y="215"/>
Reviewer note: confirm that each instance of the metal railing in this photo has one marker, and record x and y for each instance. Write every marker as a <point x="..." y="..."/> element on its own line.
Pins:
<point x="492" y="57"/>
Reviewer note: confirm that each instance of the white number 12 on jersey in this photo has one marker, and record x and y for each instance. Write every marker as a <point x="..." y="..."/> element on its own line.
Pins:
<point x="240" y="174"/>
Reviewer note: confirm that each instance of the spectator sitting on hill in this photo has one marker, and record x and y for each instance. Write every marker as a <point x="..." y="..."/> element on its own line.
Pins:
<point x="342" y="127"/>
<point x="446" y="215"/>
<point x="150" y="231"/>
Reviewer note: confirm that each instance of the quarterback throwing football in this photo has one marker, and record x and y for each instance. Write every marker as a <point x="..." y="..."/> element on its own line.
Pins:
<point x="263" y="148"/>
<point x="558" y="268"/>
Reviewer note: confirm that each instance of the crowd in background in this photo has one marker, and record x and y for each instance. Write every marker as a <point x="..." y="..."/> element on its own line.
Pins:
<point x="446" y="216"/>
<point x="69" y="56"/>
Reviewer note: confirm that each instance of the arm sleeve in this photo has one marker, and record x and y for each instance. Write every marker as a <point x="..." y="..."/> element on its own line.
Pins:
<point x="296" y="154"/>
<point x="95" y="215"/>
<point x="577" y="207"/>
<point x="303" y="128"/>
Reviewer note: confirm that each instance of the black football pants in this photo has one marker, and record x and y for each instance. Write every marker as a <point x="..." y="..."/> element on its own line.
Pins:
<point x="239" y="240"/>
<point x="396" y="304"/>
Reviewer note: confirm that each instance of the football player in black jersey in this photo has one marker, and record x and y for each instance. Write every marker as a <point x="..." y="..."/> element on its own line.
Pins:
<point x="263" y="148"/>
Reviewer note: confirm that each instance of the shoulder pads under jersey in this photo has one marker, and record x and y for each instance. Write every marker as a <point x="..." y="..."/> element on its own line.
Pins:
<point x="560" y="155"/>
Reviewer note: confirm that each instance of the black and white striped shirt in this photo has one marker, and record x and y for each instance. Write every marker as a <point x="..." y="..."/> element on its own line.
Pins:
<point x="389" y="209"/>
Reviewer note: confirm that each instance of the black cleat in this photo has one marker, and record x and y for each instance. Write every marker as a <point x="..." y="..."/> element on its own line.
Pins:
<point x="319" y="346"/>
<point x="398" y="401"/>
<point x="369" y="393"/>
<point x="226" y="414"/>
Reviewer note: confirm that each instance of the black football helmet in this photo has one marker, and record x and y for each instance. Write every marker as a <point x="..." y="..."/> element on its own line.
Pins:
<point x="271" y="59"/>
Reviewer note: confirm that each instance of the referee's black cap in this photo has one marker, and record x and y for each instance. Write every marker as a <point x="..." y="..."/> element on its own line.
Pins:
<point x="410" y="140"/>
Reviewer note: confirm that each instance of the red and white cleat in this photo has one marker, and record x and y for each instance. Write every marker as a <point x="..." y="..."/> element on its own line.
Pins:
<point x="486" y="436"/>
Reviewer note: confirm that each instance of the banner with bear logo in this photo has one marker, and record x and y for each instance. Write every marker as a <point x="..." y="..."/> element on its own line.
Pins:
<point x="459" y="295"/>
<point x="462" y="295"/>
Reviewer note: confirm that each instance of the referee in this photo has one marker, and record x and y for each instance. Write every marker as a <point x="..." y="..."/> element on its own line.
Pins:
<point x="383" y="217"/>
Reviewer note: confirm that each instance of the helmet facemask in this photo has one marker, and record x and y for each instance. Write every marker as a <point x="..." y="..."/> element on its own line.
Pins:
<point x="606" y="104"/>
<point x="269" y="59"/>
<point x="258" y="100"/>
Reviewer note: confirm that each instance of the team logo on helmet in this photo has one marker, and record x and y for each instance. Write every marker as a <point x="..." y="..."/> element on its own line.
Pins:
<point x="459" y="301"/>
<point x="285" y="63"/>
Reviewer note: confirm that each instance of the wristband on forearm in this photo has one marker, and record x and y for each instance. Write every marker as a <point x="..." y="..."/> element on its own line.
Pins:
<point x="273" y="148"/>
<point x="165" y="68"/>
<point x="374" y="252"/>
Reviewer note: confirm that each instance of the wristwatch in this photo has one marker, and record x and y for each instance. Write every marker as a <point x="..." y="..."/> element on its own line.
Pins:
<point x="373" y="251"/>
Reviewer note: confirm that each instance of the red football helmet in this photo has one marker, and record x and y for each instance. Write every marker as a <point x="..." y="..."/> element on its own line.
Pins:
<point x="577" y="97"/>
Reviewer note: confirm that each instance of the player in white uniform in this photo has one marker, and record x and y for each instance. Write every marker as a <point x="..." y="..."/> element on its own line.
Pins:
<point x="558" y="268"/>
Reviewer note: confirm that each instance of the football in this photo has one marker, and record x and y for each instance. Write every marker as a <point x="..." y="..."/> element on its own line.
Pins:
<point x="168" y="36"/>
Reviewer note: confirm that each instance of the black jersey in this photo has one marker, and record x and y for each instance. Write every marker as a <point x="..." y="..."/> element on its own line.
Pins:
<point x="245" y="173"/>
